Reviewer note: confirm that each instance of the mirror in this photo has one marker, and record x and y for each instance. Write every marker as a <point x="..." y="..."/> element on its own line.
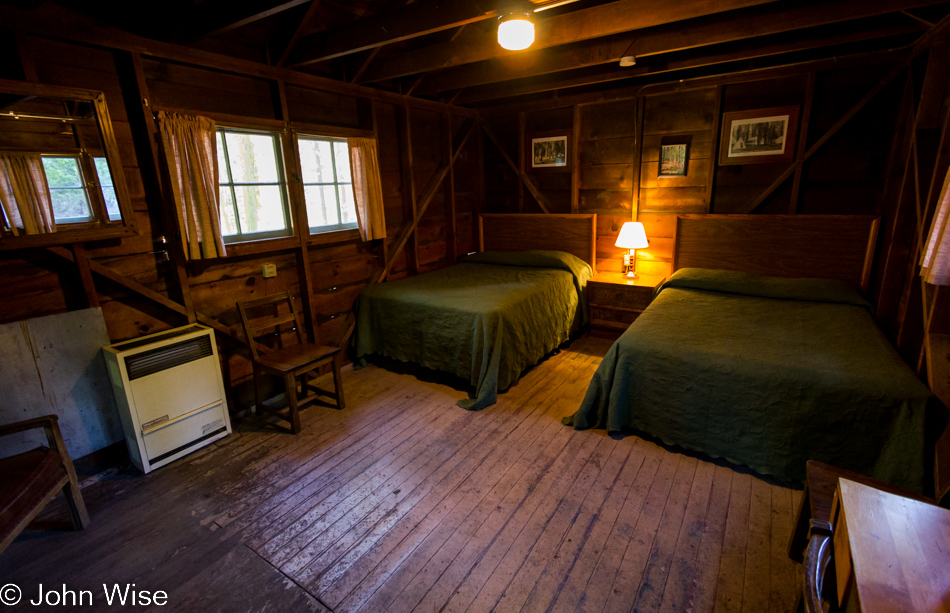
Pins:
<point x="61" y="178"/>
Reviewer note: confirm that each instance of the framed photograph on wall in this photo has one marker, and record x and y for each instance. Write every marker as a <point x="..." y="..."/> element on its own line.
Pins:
<point x="548" y="151"/>
<point x="759" y="137"/>
<point x="674" y="159"/>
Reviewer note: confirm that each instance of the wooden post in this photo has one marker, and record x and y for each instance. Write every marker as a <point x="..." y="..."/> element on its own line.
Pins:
<point x="146" y="137"/>
<point x="793" y="203"/>
<point x="479" y="206"/>
<point x="298" y="212"/>
<point x="451" y="233"/>
<point x="82" y="265"/>
<point x="717" y="126"/>
<point x="637" y="156"/>
<point x="576" y="160"/>
<point x="409" y="188"/>
<point x="521" y="154"/>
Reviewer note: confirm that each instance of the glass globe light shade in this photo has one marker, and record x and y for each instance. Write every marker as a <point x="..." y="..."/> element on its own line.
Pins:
<point x="516" y="33"/>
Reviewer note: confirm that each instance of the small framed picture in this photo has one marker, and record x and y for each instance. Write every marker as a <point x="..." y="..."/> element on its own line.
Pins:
<point x="674" y="159"/>
<point x="548" y="151"/>
<point x="758" y="137"/>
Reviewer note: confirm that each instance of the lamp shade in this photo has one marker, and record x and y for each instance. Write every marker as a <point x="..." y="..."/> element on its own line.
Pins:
<point x="632" y="236"/>
<point x="515" y="32"/>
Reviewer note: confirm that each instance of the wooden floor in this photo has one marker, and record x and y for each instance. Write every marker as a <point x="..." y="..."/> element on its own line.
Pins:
<point x="404" y="501"/>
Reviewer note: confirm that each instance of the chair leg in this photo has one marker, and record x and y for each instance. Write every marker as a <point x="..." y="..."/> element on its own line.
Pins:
<point x="290" y="381"/>
<point x="257" y="391"/>
<point x="77" y="508"/>
<point x="338" y="384"/>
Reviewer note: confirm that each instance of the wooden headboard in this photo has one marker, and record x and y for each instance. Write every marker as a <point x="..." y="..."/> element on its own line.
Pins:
<point x="821" y="246"/>
<point x="576" y="234"/>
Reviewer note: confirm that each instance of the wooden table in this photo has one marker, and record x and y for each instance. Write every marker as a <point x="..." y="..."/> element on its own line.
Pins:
<point x="891" y="553"/>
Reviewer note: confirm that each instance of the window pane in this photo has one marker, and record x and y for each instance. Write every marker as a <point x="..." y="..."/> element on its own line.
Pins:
<point x="252" y="158"/>
<point x="70" y="205"/>
<point x="260" y="208"/>
<point x="112" y="203"/>
<point x="226" y="212"/>
<point x="102" y="169"/>
<point x="342" y="152"/>
<point x="321" y="205"/>
<point x="347" y="206"/>
<point x="315" y="161"/>
<point x="108" y="191"/>
<point x="222" y="164"/>
<point x="62" y="172"/>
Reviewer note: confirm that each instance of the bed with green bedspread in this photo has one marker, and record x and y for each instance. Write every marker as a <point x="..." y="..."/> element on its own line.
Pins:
<point x="484" y="320"/>
<point x="766" y="372"/>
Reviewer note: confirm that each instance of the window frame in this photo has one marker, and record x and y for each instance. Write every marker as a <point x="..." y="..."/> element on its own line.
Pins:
<point x="326" y="229"/>
<point x="277" y="137"/>
<point x="101" y="228"/>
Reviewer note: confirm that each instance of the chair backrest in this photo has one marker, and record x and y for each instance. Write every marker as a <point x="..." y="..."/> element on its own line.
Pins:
<point x="268" y="317"/>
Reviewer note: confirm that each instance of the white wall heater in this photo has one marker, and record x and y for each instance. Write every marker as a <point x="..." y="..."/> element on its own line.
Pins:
<point x="170" y="394"/>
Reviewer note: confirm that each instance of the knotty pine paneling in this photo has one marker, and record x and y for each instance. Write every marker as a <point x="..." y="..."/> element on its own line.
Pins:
<point x="606" y="150"/>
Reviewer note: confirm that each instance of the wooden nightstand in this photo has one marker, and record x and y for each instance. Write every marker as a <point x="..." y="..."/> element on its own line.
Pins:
<point x="615" y="301"/>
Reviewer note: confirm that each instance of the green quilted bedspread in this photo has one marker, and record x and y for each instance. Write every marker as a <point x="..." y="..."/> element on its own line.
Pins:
<point x="485" y="320"/>
<point x="764" y="372"/>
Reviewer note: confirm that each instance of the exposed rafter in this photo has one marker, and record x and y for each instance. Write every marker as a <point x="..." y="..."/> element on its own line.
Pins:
<point x="737" y="25"/>
<point x="583" y="24"/>
<point x="213" y="17"/>
<point x="284" y="43"/>
<point x="684" y="60"/>
<point x="398" y="24"/>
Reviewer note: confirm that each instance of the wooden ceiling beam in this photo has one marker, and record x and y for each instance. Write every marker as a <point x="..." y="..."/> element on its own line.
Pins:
<point x="213" y="17"/>
<point x="747" y="23"/>
<point x="675" y="62"/>
<point x="397" y="24"/>
<point x="286" y="39"/>
<point x="604" y="20"/>
<point x="391" y="26"/>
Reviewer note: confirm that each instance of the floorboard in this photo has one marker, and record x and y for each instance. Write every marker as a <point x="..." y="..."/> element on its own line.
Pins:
<point x="405" y="502"/>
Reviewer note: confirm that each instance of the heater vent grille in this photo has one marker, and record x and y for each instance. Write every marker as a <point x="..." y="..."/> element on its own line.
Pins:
<point x="169" y="356"/>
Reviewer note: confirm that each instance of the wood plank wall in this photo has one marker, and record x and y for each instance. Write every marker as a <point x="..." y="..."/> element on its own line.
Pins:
<point x="38" y="283"/>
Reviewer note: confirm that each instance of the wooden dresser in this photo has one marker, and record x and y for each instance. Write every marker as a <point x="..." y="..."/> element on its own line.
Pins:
<point x="615" y="301"/>
<point x="892" y="554"/>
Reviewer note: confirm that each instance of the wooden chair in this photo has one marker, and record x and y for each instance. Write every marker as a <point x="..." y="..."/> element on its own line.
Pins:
<point x="266" y="317"/>
<point x="28" y="481"/>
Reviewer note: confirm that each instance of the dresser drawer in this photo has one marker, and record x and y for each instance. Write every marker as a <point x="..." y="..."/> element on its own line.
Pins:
<point x="626" y="297"/>
<point x="615" y="319"/>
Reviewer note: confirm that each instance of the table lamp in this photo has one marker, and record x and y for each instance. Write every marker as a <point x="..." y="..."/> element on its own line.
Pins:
<point x="632" y="237"/>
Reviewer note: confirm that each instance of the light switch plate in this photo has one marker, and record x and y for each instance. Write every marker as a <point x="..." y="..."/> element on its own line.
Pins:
<point x="269" y="270"/>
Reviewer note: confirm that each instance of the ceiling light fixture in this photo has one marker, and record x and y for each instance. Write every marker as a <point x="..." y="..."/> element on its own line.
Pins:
<point x="516" y="31"/>
<point x="628" y="60"/>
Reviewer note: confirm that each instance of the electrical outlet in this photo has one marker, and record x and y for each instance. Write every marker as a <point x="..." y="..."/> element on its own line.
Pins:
<point x="269" y="270"/>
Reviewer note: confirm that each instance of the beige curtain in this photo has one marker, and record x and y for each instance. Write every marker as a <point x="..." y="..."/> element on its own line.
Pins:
<point x="191" y="158"/>
<point x="935" y="261"/>
<point x="25" y="195"/>
<point x="367" y="188"/>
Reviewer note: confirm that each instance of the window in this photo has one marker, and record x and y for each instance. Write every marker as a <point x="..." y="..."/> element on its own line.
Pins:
<point x="70" y="192"/>
<point x="328" y="187"/>
<point x="67" y="189"/>
<point x="253" y="198"/>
